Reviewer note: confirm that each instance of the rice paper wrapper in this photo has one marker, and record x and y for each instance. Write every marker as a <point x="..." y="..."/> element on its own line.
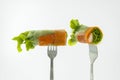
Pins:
<point x="90" y="35"/>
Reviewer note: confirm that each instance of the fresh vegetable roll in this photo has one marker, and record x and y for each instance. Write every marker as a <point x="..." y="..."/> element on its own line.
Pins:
<point x="84" y="34"/>
<point x="41" y="38"/>
<point x="57" y="38"/>
<point x="91" y="35"/>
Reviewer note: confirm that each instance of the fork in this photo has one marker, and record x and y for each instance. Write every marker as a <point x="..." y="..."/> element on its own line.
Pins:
<point x="52" y="52"/>
<point x="93" y="54"/>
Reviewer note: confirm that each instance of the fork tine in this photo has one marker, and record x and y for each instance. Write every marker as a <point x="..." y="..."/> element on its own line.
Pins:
<point x="48" y="48"/>
<point x="93" y="48"/>
<point x="55" y="48"/>
<point x="52" y="47"/>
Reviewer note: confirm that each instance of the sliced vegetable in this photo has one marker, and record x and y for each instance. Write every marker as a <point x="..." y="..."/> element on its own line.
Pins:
<point x="82" y="33"/>
<point x="21" y="39"/>
<point x="75" y="26"/>
<point x="97" y="36"/>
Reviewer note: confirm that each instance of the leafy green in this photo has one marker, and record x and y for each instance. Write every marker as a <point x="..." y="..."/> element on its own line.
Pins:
<point x="97" y="36"/>
<point x="74" y="23"/>
<point x="19" y="42"/>
<point x="75" y="26"/>
<point x="29" y="45"/>
<point x="72" y="41"/>
<point x="23" y="39"/>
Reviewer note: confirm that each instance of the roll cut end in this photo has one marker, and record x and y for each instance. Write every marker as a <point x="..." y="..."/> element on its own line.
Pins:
<point x="92" y="35"/>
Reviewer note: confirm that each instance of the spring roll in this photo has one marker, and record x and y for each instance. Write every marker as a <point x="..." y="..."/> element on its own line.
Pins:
<point x="41" y="38"/>
<point x="84" y="34"/>
<point x="91" y="35"/>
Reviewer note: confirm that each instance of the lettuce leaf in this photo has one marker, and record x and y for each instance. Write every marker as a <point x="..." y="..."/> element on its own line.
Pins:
<point x="75" y="26"/>
<point x="72" y="41"/>
<point x="97" y="36"/>
<point x="29" y="45"/>
<point x="19" y="42"/>
<point x="23" y="39"/>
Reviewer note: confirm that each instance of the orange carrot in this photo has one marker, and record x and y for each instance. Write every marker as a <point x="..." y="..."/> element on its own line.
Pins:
<point x="57" y="38"/>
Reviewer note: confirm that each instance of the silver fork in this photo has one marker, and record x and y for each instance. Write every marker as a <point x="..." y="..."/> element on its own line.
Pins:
<point x="93" y="54"/>
<point x="52" y="52"/>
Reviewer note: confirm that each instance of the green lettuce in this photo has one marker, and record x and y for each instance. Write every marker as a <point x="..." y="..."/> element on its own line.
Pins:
<point x="97" y="36"/>
<point x="75" y="26"/>
<point x="23" y="39"/>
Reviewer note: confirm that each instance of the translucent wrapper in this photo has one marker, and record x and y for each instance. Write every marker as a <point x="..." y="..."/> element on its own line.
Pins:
<point x="90" y="35"/>
<point x="58" y="38"/>
<point x="40" y="37"/>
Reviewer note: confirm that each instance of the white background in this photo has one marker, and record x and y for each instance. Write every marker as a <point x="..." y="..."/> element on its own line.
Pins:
<point x="71" y="63"/>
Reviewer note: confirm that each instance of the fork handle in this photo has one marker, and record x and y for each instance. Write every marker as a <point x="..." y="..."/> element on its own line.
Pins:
<point x="91" y="72"/>
<point x="51" y="70"/>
